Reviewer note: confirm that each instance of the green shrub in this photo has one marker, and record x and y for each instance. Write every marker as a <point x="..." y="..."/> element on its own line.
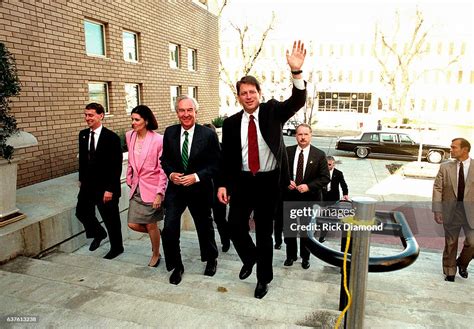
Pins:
<point x="219" y="121"/>
<point x="9" y="86"/>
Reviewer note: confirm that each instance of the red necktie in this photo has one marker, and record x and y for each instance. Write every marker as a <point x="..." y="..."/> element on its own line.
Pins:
<point x="254" y="163"/>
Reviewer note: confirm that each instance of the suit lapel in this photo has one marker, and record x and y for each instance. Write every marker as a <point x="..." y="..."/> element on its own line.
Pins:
<point x="309" y="163"/>
<point x="453" y="176"/>
<point x="197" y="140"/>
<point x="469" y="179"/>
<point x="145" y="148"/>
<point x="238" y="128"/>
<point x="131" y="151"/>
<point x="102" y="137"/>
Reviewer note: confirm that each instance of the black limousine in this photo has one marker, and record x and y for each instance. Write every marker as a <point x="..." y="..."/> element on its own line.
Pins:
<point x="391" y="143"/>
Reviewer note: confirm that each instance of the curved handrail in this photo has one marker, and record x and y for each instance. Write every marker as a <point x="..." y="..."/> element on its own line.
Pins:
<point x="377" y="263"/>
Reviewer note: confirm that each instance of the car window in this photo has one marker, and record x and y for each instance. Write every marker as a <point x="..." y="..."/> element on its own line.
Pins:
<point x="389" y="138"/>
<point x="370" y="137"/>
<point x="405" y="139"/>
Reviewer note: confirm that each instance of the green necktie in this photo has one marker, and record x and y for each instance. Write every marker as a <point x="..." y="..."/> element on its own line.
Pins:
<point x="184" y="151"/>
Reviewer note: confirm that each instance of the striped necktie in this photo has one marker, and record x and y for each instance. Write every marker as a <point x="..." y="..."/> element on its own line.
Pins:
<point x="184" y="151"/>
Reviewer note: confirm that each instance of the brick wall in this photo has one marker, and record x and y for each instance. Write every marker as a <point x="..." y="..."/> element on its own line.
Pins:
<point x="47" y="39"/>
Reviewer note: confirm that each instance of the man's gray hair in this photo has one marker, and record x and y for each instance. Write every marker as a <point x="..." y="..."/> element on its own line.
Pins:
<point x="181" y="97"/>
<point x="330" y="158"/>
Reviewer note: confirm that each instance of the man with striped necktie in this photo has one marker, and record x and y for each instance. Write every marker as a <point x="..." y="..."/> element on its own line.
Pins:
<point x="190" y="159"/>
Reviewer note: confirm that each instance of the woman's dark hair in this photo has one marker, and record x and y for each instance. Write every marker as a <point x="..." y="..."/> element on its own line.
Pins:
<point x="147" y="115"/>
<point x="210" y="126"/>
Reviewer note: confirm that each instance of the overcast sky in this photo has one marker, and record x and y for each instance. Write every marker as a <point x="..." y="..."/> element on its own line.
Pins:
<point x="322" y="19"/>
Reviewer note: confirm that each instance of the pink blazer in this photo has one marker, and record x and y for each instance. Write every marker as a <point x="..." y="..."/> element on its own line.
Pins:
<point x="146" y="170"/>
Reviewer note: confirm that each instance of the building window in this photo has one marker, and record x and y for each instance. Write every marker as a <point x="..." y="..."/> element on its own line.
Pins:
<point x="132" y="96"/>
<point x="175" y="91"/>
<point x="192" y="59"/>
<point x="99" y="93"/>
<point x="95" y="40"/>
<point x="202" y="3"/>
<point x="193" y="92"/>
<point x="459" y="76"/>
<point x="130" y="46"/>
<point x="174" y="56"/>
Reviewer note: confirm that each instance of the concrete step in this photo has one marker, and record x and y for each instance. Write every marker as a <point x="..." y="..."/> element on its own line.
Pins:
<point x="85" y="284"/>
<point x="100" y="300"/>
<point x="196" y="290"/>
<point x="49" y="316"/>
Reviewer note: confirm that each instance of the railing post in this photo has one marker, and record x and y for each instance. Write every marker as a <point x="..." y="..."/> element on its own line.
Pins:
<point x="364" y="212"/>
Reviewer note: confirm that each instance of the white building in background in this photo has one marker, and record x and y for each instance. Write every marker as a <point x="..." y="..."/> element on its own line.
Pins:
<point x="344" y="86"/>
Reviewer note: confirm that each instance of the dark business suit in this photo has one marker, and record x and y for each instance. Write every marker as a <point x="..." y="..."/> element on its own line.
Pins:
<point x="98" y="174"/>
<point x="336" y="180"/>
<point x="204" y="161"/>
<point x="259" y="193"/>
<point x="316" y="175"/>
<point x="334" y="195"/>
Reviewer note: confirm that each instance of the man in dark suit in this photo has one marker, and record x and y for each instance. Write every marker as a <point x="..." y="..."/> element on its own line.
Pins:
<point x="190" y="159"/>
<point x="309" y="172"/>
<point x="255" y="168"/>
<point x="100" y="167"/>
<point x="453" y="207"/>
<point x="331" y="191"/>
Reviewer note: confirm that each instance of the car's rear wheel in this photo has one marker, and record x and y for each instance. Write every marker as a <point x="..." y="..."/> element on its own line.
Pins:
<point x="362" y="152"/>
<point x="434" y="156"/>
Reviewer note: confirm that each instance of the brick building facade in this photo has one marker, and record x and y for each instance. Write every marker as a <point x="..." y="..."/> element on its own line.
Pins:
<point x="48" y="41"/>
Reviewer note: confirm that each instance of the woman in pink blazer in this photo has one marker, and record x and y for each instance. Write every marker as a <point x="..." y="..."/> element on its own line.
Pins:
<point x="145" y="177"/>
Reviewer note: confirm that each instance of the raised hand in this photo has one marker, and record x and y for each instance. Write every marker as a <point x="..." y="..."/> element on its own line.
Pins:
<point x="296" y="58"/>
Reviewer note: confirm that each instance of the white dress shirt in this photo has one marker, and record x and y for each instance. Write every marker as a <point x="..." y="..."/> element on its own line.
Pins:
<point x="266" y="158"/>
<point x="330" y="179"/>
<point x="305" y="160"/>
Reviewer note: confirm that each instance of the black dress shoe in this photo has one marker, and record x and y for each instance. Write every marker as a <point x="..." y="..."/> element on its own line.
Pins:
<point x="462" y="270"/>
<point x="245" y="271"/>
<point x="177" y="275"/>
<point x="277" y="246"/>
<point x="113" y="253"/>
<point x="261" y="290"/>
<point x="96" y="243"/>
<point x="288" y="262"/>
<point x="225" y="245"/>
<point x="305" y="264"/>
<point x="211" y="268"/>
<point x="449" y="278"/>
